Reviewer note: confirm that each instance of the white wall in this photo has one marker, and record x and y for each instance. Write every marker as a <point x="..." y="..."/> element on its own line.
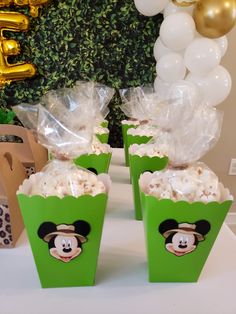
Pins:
<point x="220" y="156"/>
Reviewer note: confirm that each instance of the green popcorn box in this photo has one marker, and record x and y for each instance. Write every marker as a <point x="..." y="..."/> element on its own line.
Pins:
<point x="137" y="139"/>
<point x="125" y="127"/>
<point x="103" y="138"/>
<point x="64" y="234"/>
<point x="180" y="235"/>
<point x="95" y="163"/>
<point x="104" y="124"/>
<point x="139" y="165"/>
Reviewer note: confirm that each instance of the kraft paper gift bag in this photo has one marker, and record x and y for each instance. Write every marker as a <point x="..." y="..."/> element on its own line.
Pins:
<point x="31" y="154"/>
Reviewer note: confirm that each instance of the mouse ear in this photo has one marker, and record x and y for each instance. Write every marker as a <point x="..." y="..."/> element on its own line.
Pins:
<point x="46" y="228"/>
<point x="82" y="227"/>
<point x="202" y="226"/>
<point x="168" y="225"/>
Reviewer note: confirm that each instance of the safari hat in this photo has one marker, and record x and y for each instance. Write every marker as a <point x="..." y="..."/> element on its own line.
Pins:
<point x="65" y="230"/>
<point x="185" y="228"/>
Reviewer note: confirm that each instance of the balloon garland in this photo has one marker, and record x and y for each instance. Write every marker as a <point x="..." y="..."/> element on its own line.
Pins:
<point x="191" y="45"/>
<point x="181" y="51"/>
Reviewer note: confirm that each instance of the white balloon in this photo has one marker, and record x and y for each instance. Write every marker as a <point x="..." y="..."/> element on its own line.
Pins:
<point x="202" y="56"/>
<point x="172" y="8"/>
<point x="215" y="87"/>
<point x="171" y="67"/>
<point x="160" y="49"/>
<point x="223" y="44"/>
<point x="150" y="7"/>
<point x="185" y="91"/>
<point x="177" y="31"/>
<point x="161" y="88"/>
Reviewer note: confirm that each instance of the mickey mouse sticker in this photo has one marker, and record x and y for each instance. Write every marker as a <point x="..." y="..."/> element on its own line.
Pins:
<point x="64" y="241"/>
<point x="183" y="238"/>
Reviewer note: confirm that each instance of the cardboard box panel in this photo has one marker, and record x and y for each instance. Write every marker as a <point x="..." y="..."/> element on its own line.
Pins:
<point x="103" y="138"/>
<point x="138" y="165"/>
<point x="165" y="262"/>
<point x="131" y="139"/>
<point x="96" y="163"/>
<point x="54" y="272"/>
<point x="125" y="128"/>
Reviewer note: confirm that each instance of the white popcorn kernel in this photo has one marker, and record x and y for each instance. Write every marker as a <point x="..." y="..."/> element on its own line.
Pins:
<point x="191" y="184"/>
<point x="100" y="130"/>
<point x="66" y="179"/>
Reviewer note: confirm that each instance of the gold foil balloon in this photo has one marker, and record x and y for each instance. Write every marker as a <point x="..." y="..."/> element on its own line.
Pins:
<point x="214" y="18"/>
<point x="33" y="4"/>
<point x="16" y="22"/>
<point x="184" y="3"/>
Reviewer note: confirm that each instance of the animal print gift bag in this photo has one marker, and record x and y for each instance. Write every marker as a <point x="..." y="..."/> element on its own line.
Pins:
<point x="12" y="174"/>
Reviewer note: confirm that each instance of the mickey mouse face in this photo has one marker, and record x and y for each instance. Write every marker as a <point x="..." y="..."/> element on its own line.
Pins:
<point x="181" y="244"/>
<point x="64" y="241"/>
<point x="183" y="238"/>
<point x="66" y="248"/>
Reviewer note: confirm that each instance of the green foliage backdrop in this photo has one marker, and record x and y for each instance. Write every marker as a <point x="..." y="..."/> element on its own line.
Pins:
<point x="102" y="40"/>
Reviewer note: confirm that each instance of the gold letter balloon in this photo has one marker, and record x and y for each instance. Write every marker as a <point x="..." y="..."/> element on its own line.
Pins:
<point x="16" y="22"/>
<point x="214" y="18"/>
<point x="33" y="4"/>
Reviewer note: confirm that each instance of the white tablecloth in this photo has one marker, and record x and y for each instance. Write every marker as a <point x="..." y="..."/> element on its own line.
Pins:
<point x="121" y="281"/>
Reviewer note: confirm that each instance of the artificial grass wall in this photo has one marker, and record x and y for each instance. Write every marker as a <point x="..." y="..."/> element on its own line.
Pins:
<point x="102" y="40"/>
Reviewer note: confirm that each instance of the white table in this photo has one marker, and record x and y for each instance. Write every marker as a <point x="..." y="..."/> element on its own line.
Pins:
<point x="122" y="285"/>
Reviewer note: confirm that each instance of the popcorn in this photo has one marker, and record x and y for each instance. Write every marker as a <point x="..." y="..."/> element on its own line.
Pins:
<point x="100" y="148"/>
<point x="149" y="150"/>
<point x="62" y="178"/>
<point x="100" y="130"/>
<point x="131" y="122"/>
<point x="144" y="130"/>
<point x="193" y="184"/>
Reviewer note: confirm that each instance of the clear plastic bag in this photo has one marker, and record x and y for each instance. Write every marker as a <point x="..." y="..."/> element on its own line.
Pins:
<point x="192" y="140"/>
<point x="27" y="114"/>
<point x="143" y="104"/>
<point x="139" y="103"/>
<point x="102" y="96"/>
<point x="186" y="128"/>
<point x="66" y="139"/>
<point x="65" y="118"/>
<point x="65" y="126"/>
